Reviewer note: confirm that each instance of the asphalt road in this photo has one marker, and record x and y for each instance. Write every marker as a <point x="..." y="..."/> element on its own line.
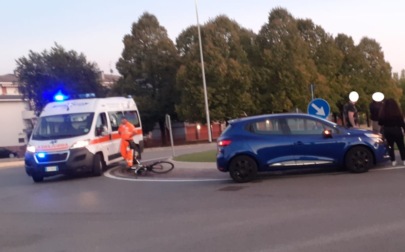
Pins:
<point x="311" y="211"/>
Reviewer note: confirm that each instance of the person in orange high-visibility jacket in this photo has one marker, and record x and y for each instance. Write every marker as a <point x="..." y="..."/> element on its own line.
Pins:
<point x="126" y="131"/>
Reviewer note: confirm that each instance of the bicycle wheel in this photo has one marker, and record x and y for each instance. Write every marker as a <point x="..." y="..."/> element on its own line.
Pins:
<point x="161" y="167"/>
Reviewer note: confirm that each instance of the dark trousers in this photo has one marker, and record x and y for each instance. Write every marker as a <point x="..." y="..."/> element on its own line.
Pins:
<point x="394" y="135"/>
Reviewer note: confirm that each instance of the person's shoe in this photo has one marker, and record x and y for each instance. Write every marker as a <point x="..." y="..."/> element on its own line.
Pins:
<point x="394" y="163"/>
<point x="138" y="169"/>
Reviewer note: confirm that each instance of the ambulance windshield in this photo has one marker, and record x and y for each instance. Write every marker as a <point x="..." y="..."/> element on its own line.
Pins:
<point x="62" y="126"/>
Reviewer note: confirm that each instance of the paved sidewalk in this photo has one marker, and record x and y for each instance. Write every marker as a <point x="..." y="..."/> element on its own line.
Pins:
<point x="11" y="162"/>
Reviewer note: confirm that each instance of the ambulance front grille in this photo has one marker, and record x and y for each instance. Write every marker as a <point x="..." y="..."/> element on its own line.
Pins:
<point x="42" y="158"/>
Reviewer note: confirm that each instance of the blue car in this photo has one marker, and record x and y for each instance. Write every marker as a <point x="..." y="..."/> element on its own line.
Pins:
<point x="287" y="141"/>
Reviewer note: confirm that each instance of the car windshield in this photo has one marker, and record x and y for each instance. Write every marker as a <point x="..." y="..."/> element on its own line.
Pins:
<point x="62" y="126"/>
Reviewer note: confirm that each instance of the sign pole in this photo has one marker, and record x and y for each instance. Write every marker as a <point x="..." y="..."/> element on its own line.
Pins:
<point x="169" y="127"/>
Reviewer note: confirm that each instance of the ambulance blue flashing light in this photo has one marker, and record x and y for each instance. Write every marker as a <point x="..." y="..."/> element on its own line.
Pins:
<point x="41" y="155"/>
<point x="60" y="97"/>
<point x="87" y="95"/>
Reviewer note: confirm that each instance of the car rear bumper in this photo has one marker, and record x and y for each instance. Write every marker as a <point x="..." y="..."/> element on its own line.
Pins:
<point x="222" y="162"/>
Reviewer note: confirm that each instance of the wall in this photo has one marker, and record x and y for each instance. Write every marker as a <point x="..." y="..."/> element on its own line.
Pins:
<point x="183" y="133"/>
<point x="12" y="134"/>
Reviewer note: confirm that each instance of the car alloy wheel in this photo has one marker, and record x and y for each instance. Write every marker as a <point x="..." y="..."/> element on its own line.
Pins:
<point x="358" y="159"/>
<point x="243" y="169"/>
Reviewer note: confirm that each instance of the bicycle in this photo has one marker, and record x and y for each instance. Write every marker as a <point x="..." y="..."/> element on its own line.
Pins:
<point x="159" y="167"/>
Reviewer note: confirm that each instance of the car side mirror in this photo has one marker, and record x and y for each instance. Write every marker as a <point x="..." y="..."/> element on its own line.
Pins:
<point x="102" y="131"/>
<point x="327" y="133"/>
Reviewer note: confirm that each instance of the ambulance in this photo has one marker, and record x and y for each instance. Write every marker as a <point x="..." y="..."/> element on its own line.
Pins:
<point x="79" y="135"/>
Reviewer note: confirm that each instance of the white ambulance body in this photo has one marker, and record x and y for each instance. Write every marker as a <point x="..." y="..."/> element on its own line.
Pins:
<point x="79" y="135"/>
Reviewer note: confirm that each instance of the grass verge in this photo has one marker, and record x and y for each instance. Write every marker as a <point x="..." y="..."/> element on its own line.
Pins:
<point x="204" y="156"/>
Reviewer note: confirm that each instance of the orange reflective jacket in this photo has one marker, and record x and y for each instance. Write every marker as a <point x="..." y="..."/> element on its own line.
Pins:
<point x="127" y="131"/>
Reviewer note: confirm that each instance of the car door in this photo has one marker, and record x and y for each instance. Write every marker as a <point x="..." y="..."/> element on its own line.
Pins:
<point x="272" y="143"/>
<point x="311" y="147"/>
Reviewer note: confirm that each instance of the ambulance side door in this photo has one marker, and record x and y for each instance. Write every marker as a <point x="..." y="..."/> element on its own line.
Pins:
<point x="103" y="135"/>
<point x="114" y="118"/>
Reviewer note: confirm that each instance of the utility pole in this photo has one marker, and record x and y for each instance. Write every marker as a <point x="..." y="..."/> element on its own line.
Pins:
<point x="203" y="76"/>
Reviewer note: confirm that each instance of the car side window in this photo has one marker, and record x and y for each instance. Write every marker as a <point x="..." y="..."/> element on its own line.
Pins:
<point x="305" y="126"/>
<point x="268" y="127"/>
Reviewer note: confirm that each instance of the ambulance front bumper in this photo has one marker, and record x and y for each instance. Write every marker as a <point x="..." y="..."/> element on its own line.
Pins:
<point x="53" y="163"/>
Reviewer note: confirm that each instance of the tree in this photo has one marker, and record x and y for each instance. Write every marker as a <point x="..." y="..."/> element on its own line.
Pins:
<point x="42" y="75"/>
<point x="227" y="71"/>
<point x="365" y="70"/>
<point x="148" y="66"/>
<point x="328" y="60"/>
<point x="286" y="67"/>
<point x="377" y="72"/>
<point x="401" y="84"/>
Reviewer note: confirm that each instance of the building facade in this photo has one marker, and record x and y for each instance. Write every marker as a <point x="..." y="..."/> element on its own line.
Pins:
<point x="18" y="121"/>
<point x="16" y="117"/>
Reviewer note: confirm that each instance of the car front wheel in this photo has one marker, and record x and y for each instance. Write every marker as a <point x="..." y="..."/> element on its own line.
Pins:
<point x="359" y="159"/>
<point x="243" y="169"/>
<point x="37" y="178"/>
<point x="98" y="165"/>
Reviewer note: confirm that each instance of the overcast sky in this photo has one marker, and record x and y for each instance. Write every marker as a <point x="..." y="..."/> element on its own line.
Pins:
<point x="96" y="27"/>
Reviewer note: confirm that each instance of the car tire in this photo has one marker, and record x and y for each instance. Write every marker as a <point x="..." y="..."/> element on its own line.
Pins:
<point x="37" y="178"/>
<point x="243" y="169"/>
<point x="359" y="159"/>
<point x="98" y="165"/>
<point x="11" y="155"/>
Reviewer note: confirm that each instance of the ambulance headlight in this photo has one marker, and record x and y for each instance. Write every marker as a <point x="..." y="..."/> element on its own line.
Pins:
<point x="31" y="148"/>
<point x="80" y="144"/>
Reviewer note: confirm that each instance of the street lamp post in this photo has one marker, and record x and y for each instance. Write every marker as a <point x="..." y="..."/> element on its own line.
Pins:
<point x="203" y="76"/>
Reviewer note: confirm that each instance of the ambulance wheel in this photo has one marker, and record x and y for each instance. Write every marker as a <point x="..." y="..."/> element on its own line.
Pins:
<point x="98" y="165"/>
<point x="37" y="178"/>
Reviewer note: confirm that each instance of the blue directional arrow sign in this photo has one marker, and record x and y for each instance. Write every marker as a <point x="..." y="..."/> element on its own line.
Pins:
<point x="319" y="107"/>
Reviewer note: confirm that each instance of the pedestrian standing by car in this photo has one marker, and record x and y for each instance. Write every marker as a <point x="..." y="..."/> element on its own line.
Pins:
<point x="392" y="122"/>
<point x="350" y="113"/>
<point x="375" y="107"/>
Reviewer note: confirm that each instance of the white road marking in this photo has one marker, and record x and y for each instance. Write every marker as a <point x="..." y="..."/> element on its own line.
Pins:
<point x="140" y="179"/>
<point x="389" y="168"/>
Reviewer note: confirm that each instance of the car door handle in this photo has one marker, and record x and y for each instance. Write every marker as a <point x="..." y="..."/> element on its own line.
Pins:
<point x="299" y="143"/>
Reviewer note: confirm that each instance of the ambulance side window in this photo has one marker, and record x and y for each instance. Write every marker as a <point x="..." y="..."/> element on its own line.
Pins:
<point x="101" y="124"/>
<point x="133" y="118"/>
<point x="115" y="119"/>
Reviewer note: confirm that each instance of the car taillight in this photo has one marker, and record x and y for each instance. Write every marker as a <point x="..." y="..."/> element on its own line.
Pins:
<point x="224" y="143"/>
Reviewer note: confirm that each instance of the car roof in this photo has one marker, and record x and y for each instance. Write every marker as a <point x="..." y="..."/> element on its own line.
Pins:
<point x="277" y="115"/>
